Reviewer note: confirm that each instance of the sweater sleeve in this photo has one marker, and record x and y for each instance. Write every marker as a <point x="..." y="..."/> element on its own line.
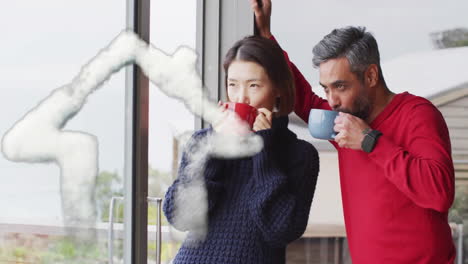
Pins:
<point x="190" y="198"/>
<point x="281" y="197"/>
<point x="423" y="169"/>
<point x="306" y="99"/>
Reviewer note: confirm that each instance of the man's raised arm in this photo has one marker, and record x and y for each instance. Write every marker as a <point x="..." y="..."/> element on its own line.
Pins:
<point x="306" y="99"/>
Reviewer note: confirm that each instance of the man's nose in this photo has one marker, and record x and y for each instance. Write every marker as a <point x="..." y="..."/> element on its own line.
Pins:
<point x="333" y="100"/>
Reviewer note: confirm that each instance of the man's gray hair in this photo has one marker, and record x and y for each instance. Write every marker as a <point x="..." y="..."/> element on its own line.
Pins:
<point x="354" y="43"/>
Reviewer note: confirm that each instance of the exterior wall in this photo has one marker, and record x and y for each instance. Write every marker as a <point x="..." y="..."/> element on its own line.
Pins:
<point x="456" y="116"/>
<point x="326" y="205"/>
<point x="318" y="251"/>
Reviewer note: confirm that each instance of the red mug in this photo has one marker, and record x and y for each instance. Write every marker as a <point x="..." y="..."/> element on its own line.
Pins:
<point x="245" y="112"/>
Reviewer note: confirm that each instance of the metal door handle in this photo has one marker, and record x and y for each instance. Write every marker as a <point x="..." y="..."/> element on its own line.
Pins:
<point x="460" y="244"/>
<point x="110" y="238"/>
<point x="158" y="202"/>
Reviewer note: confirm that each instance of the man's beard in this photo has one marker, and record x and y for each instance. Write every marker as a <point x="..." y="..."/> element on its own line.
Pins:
<point x="361" y="107"/>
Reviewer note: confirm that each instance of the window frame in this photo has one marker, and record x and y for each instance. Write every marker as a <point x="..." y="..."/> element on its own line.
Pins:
<point x="219" y="25"/>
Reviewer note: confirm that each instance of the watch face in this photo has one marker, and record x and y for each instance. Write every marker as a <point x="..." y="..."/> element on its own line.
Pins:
<point x="369" y="140"/>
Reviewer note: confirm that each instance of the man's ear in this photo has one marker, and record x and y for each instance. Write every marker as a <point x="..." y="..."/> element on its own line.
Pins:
<point x="371" y="76"/>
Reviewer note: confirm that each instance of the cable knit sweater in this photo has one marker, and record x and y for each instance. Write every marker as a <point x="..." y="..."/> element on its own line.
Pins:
<point x="256" y="205"/>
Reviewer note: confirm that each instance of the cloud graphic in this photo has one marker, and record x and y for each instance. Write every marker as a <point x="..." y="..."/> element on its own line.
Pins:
<point x="40" y="136"/>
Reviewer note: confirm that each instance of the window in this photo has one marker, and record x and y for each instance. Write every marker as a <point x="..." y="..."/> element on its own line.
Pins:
<point x="43" y="49"/>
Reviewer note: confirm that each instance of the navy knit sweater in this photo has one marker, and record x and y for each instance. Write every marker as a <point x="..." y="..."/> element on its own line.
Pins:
<point x="256" y="205"/>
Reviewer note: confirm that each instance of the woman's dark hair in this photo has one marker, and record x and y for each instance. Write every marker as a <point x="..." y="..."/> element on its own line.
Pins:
<point x="268" y="54"/>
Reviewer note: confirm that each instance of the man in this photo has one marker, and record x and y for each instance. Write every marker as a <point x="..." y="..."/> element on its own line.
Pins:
<point x="396" y="170"/>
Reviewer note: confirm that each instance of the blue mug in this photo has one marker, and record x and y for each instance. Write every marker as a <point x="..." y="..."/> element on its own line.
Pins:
<point x="321" y="123"/>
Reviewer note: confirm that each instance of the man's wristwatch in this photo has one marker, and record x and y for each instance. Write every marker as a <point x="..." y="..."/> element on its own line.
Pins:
<point x="370" y="139"/>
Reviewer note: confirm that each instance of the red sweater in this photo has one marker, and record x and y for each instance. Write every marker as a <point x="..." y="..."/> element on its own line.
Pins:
<point x="395" y="199"/>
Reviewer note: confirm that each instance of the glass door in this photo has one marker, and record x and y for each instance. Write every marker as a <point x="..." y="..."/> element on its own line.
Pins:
<point x="62" y="163"/>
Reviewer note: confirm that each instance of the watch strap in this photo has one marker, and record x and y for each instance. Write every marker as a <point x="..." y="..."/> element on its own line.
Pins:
<point x="370" y="140"/>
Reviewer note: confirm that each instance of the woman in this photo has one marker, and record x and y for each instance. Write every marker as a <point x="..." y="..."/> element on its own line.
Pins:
<point x="256" y="205"/>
